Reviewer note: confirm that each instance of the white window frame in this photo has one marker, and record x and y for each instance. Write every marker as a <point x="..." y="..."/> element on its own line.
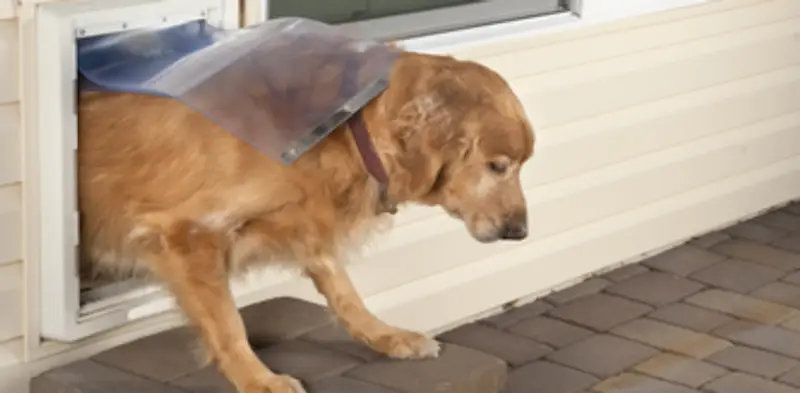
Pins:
<point x="452" y="18"/>
<point x="582" y="13"/>
<point x="51" y="137"/>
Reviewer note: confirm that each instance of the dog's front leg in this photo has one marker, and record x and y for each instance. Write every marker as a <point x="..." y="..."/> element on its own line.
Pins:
<point x="190" y="260"/>
<point x="332" y="281"/>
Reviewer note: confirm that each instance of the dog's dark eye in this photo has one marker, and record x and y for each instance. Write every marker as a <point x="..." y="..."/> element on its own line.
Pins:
<point x="498" y="167"/>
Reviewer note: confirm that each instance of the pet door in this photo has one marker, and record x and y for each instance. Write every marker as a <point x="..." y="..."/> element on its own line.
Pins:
<point x="71" y="308"/>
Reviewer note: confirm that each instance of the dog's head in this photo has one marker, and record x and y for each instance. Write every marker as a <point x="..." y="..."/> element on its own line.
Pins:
<point x="462" y="138"/>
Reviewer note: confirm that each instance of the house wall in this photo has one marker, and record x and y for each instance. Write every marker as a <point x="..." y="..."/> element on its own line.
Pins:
<point x="650" y="130"/>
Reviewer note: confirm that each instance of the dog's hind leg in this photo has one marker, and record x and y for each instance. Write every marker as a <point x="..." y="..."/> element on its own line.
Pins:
<point x="333" y="282"/>
<point x="190" y="259"/>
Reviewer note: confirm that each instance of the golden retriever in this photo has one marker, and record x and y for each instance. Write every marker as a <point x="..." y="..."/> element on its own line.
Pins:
<point x="165" y="190"/>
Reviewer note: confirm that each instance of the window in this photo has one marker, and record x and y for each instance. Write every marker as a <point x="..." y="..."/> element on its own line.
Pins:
<point x="399" y="19"/>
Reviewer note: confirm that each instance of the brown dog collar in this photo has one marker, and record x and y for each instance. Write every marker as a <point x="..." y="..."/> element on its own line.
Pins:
<point x="366" y="148"/>
<point x="372" y="162"/>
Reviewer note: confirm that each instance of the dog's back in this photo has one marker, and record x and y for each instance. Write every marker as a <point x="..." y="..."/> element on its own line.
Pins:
<point x="146" y="161"/>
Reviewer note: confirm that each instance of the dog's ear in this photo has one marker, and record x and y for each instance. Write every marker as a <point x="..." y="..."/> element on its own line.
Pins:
<point x="426" y="133"/>
<point x="420" y="160"/>
<point x="413" y="163"/>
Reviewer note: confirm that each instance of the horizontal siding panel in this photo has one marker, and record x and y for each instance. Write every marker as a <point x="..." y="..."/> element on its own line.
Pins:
<point x="553" y="136"/>
<point x="570" y="103"/>
<point x="594" y="195"/>
<point x="705" y="114"/>
<point x="11" y="301"/>
<point x="10" y="223"/>
<point x="551" y="57"/>
<point x="668" y="55"/>
<point x="9" y="89"/>
<point x="9" y="144"/>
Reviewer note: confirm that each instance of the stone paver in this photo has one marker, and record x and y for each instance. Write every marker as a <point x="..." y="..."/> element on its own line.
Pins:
<point x="744" y="383"/>
<point x="780" y="220"/>
<point x="335" y="337"/>
<point x="683" y="260"/>
<point x="86" y="376"/>
<point x="756" y="232"/>
<point x="768" y="337"/>
<point x="517" y="314"/>
<point x="546" y="377"/>
<point x="792" y="324"/>
<point x="625" y="272"/>
<point x="584" y="288"/>
<point x="680" y="369"/>
<point x="283" y="319"/>
<point x="791" y="378"/>
<point x="759" y="253"/>
<point x="342" y="385"/>
<point x="719" y="314"/>
<point x="162" y="357"/>
<point x="600" y="311"/>
<point x="753" y="361"/>
<point x="793" y="208"/>
<point x="306" y="361"/>
<point x="789" y="243"/>
<point x="742" y="306"/>
<point x="779" y="292"/>
<point x="602" y="355"/>
<point x="514" y="349"/>
<point x="671" y="338"/>
<point x="206" y="380"/>
<point x="793" y="278"/>
<point x="691" y="317"/>
<point x="550" y="331"/>
<point x="737" y="275"/>
<point x="655" y="288"/>
<point x="456" y="370"/>
<point x="710" y="239"/>
<point x="636" y="383"/>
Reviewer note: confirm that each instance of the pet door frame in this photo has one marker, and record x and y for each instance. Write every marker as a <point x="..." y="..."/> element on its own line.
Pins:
<point x="51" y="156"/>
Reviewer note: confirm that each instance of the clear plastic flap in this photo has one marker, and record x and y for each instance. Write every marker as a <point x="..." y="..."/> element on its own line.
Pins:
<point x="281" y="86"/>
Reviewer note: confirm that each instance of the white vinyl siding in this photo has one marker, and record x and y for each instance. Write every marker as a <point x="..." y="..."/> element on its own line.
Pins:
<point x="11" y="301"/>
<point x="11" y="267"/>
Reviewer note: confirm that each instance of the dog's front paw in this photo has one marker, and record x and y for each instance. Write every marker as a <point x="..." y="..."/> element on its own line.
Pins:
<point x="403" y="344"/>
<point x="278" y="384"/>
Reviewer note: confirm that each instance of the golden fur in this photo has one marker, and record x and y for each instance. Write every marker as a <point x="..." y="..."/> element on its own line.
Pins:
<point x="165" y="190"/>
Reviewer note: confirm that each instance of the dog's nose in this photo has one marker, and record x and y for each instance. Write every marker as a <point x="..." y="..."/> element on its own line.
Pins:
<point x="516" y="228"/>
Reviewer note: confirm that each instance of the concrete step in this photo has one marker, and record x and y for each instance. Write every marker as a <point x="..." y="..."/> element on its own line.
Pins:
<point x="292" y="337"/>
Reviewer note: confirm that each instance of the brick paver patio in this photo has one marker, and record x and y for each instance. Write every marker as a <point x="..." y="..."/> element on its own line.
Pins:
<point x="719" y="314"/>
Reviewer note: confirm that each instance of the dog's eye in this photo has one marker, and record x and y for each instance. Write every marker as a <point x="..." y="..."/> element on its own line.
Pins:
<point x="498" y="167"/>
